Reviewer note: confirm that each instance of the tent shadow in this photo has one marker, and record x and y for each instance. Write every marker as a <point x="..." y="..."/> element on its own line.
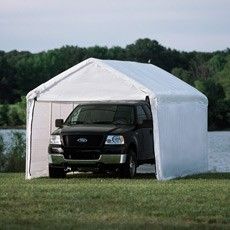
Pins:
<point x="138" y="176"/>
<point x="209" y="176"/>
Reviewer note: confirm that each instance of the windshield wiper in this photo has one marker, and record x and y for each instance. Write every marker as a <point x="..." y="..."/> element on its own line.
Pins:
<point x="120" y="122"/>
<point x="102" y="122"/>
<point x="77" y="123"/>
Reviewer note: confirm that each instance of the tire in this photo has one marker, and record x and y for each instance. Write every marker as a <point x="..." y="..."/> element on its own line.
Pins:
<point x="56" y="172"/>
<point x="128" y="170"/>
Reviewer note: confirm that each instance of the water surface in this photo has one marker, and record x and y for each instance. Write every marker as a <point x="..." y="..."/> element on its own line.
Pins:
<point x="7" y="135"/>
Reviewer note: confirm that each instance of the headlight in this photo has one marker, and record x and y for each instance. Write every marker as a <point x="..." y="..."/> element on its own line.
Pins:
<point x="55" y="139"/>
<point x="114" y="140"/>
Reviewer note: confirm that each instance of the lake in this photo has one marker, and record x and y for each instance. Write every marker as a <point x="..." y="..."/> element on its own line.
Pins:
<point x="218" y="148"/>
<point x="7" y="135"/>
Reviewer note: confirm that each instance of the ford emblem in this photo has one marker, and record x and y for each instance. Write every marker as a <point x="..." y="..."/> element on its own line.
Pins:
<point x="82" y="140"/>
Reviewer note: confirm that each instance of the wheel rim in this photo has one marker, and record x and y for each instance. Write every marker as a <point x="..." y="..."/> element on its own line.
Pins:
<point x="132" y="166"/>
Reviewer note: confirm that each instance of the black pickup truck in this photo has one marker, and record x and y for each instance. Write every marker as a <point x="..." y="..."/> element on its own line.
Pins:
<point x="102" y="137"/>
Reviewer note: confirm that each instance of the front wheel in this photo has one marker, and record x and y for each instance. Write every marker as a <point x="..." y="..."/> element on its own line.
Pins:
<point x="56" y="172"/>
<point x="128" y="170"/>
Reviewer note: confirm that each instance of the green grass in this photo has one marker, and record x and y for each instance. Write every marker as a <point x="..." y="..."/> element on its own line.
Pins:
<point x="96" y="202"/>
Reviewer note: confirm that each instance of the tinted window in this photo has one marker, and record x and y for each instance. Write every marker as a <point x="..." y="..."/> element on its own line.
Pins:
<point x="101" y="114"/>
<point x="148" y="112"/>
<point x="141" y="114"/>
<point x="124" y="114"/>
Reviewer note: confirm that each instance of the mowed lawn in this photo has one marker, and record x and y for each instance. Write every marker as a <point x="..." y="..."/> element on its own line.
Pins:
<point x="97" y="202"/>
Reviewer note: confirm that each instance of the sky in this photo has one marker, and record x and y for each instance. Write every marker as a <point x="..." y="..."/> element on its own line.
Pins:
<point x="38" y="25"/>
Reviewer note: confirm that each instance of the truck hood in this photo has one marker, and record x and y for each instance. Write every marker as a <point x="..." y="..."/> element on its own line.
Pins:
<point x="93" y="128"/>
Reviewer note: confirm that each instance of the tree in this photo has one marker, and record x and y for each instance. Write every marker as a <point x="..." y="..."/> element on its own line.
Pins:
<point x="20" y="72"/>
<point x="183" y="74"/>
<point x="223" y="77"/>
<point x="4" y="115"/>
<point x="217" y="63"/>
<point x="14" y="119"/>
<point x="199" y="68"/>
<point x="218" y="107"/>
<point x="21" y="108"/>
<point x="8" y="89"/>
<point x="97" y="52"/>
<point x="146" y="50"/>
<point x="117" y="53"/>
<point x="213" y="90"/>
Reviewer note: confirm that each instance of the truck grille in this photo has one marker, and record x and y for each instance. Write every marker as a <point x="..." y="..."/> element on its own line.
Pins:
<point x="81" y="155"/>
<point x="82" y="140"/>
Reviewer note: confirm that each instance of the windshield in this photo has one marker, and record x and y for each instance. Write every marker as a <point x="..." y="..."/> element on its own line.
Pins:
<point x="101" y="114"/>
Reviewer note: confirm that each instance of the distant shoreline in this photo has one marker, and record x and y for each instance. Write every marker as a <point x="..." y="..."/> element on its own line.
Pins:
<point x="12" y="127"/>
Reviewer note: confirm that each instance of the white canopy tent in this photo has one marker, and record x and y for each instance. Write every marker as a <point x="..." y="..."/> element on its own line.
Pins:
<point x="179" y="112"/>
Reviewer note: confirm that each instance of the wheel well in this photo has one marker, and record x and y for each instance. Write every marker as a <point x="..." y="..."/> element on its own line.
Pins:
<point x="133" y="147"/>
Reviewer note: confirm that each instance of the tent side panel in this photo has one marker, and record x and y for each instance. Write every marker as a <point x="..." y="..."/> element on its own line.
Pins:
<point x="182" y="139"/>
<point x="60" y="110"/>
<point x="38" y="165"/>
<point x="156" y="140"/>
<point x="43" y="123"/>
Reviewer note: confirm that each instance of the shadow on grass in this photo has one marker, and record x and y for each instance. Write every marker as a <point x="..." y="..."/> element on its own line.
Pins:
<point x="142" y="176"/>
<point x="108" y="175"/>
<point x="210" y="176"/>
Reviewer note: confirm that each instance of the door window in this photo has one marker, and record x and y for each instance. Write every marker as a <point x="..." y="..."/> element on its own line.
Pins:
<point x="141" y="116"/>
<point x="148" y="112"/>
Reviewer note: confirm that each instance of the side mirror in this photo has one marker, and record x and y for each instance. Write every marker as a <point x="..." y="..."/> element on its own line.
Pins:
<point x="59" y="123"/>
<point x="139" y="123"/>
<point x="147" y="123"/>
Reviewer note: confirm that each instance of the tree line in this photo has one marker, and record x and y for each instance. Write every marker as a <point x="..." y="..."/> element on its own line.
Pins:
<point x="209" y="72"/>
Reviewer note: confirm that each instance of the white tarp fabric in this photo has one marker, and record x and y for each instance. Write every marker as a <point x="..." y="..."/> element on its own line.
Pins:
<point x="179" y="111"/>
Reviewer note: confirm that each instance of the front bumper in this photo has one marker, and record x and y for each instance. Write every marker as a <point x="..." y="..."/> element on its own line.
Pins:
<point x="58" y="159"/>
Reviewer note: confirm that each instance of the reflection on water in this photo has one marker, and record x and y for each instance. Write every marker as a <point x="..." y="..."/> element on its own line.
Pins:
<point x="7" y="135"/>
<point x="218" y="149"/>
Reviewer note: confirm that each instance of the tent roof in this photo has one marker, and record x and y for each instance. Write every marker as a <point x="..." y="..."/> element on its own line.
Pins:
<point x="145" y="78"/>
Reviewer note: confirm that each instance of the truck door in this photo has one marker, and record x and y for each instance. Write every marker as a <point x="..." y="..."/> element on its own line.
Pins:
<point x="145" y="135"/>
<point x="148" y="127"/>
